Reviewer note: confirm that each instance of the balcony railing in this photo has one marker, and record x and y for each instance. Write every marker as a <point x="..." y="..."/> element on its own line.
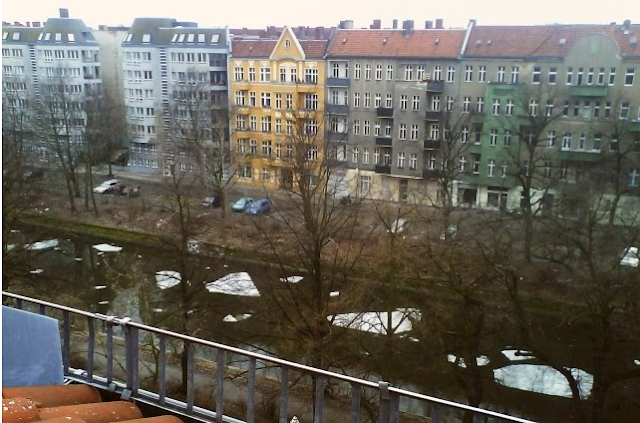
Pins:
<point x="386" y="112"/>
<point x="386" y="169"/>
<point x="435" y="86"/>
<point x="588" y="90"/>
<point x="433" y="115"/>
<point x="431" y="144"/>
<point x="337" y="82"/>
<point x="580" y="156"/>
<point x="106" y="343"/>
<point x="384" y="141"/>
<point x="430" y="174"/>
<point x="337" y="109"/>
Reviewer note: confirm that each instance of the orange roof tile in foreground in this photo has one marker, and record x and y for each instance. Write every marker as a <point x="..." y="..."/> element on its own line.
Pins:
<point x="443" y="43"/>
<point x="55" y="395"/>
<point x="544" y="40"/>
<point x="69" y="404"/>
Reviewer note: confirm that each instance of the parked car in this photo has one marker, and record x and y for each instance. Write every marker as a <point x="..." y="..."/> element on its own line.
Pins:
<point x="630" y="257"/>
<point x="398" y="226"/>
<point x="262" y="205"/>
<point x="242" y="204"/>
<point x="112" y="185"/>
<point x="31" y="175"/>
<point x="213" y="201"/>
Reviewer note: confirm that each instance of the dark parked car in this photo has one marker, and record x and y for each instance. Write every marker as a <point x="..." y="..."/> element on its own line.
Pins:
<point x="31" y="175"/>
<point x="213" y="201"/>
<point x="242" y="204"/>
<point x="262" y="205"/>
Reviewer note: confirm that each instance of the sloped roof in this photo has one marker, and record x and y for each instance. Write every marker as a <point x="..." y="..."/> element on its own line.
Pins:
<point x="544" y="40"/>
<point x="313" y="49"/>
<point x="161" y="31"/>
<point x="442" y="43"/>
<point x="81" y="33"/>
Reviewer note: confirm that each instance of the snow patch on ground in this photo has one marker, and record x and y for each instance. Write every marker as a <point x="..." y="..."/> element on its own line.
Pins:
<point x="167" y="279"/>
<point x="235" y="318"/>
<point x="292" y="279"/>
<point x="542" y="379"/>
<point x="41" y="245"/>
<point x="377" y="322"/>
<point x="482" y="360"/>
<point x="518" y="355"/>
<point x="36" y="271"/>
<point x="107" y="248"/>
<point x="239" y="283"/>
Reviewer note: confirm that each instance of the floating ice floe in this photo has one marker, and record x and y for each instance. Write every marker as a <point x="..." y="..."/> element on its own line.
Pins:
<point x="292" y="279"/>
<point x="103" y="302"/>
<point x="482" y="360"/>
<point x="334" y="293"/>
<point x="167" y="278"/>
<point x="36" y="271"/>
<point x="107" y="248"/>
<point x="239" y="283"/>
<point x="42" y="245"/>
<point x="376" y="322"/>
<point x="157" y="310"/>
<point x="543" y="379"/>
<point x="636" y="362"/>
<point x="78" y="259"/>
<point x="518" y="355"/>
<point x="100" y="287"/>
<point x="233" y="319"/>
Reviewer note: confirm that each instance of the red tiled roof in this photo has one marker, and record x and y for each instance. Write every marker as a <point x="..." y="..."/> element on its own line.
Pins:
<point x="544" y="41"/>
<point x="443" y="43"/>
<point x="313" y="49"/>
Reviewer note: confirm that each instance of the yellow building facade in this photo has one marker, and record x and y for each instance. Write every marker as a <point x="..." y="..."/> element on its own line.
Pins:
<point x="277" y="105"/>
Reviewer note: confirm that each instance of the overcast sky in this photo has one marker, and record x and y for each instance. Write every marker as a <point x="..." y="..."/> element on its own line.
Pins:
<point x="260" y="13"/>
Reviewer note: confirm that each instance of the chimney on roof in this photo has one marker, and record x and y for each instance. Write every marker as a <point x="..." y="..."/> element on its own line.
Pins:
<point x="348" y="24"/>
<point x="428" y="25"/>
<point x="626" y="24"/>
<point x="35" y="24"/>
<point x="439" y="23"/>
<point x="407" y="25"/>
<point x="395" y="24"/>
<point x="377" y="24"/>
<point x="64" y="13"/>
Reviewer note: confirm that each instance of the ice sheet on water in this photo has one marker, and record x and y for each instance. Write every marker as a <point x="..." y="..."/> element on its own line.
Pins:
<point x="377" y="322"/>
<point x="239" y="283"/>
<point x="167" y="278"/>
<point x="542" y="379"/>
<point x="107" y="248"/>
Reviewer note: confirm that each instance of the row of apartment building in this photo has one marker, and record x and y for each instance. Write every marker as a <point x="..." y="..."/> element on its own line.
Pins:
<point x="397" y="109"/>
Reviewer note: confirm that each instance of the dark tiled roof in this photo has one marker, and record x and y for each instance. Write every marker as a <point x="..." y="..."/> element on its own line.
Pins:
<point x="441" y="43"/>
<point x="82" y="34"/>
<point x="313" y="49"/>
<point x="544" y="41"/>
<point x="161" y="31"/>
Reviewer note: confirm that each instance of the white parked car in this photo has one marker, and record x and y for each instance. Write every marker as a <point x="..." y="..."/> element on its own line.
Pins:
<point x="106" y="187"/>
<point x="630" y="257"/>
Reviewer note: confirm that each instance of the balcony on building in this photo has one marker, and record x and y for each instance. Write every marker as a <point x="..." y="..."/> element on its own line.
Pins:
<point x="384" y="112"/>
<point x="384" y="141"/>
<point x="580" y="156"/>
<point x="588" y="90"/>
<point x="383" y="168"/>
<point x="431" y="144"/>
<point x="338" y="137"/>
<point x="435" y="86"/>
<point x="337" y="109"/>
<point x="430" y="174"/>
<point x="337" y="82"/>
<point x="433" y="115"/>
<point x="634" y="126"/>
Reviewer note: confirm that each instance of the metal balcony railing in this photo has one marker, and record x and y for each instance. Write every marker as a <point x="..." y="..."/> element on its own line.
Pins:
<point x="119" y="348"/>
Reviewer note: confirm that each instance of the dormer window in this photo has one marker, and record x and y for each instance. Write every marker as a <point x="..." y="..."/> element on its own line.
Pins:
<point x="58" y="37"/>
<point x="72" y="38"/>
<point x="215" y="38"/>
<point x="146" y="38"/>
<point x="175" y="38"/>
<point x="5" y="35"/>
<point x="181" y="38"/>
<point x="201" y="38"/>
<point x="191" y="38"/>
<point x="128" y="38"/>
<point x="47" y="36"/>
